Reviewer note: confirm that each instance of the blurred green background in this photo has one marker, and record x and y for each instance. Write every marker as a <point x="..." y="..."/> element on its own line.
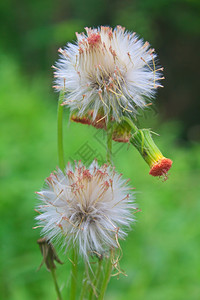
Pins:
<point x="162" y="253"/>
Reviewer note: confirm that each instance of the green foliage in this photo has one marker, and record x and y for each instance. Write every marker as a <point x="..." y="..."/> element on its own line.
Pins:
<point x="161" y="254"/>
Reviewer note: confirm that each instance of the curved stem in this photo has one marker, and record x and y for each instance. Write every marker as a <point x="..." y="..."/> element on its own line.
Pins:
<point x="130" y="123"/>
<point x="60" y="132"/>
<point x="53" y="272"/>
<point x="74" y="272"/>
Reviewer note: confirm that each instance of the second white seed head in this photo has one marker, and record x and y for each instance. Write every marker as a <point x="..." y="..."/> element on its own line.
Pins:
<point x="87" y="208"/>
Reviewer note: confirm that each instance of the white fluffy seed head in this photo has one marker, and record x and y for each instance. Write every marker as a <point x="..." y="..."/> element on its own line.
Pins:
<point x="90" y="208"/>
<point x="107" y="71"/>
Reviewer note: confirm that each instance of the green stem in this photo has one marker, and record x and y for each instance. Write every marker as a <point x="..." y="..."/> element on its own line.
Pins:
<point x="53" y="272"/>
<point x="106" y="278"/>
<point x="109" y="142"/>
<point x="130" y="123"/>
<point x="60" y="132"/>
<point x="96" y="280"/>
<point x="84" y="286"/>
<point x="74" y="272"/>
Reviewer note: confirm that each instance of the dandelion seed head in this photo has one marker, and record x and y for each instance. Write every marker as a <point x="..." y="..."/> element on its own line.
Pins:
<point x="89" y="208"/>
<point x="107" y="70"/>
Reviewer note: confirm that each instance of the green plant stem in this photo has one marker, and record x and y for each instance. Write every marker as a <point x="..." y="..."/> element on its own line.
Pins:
<point x="130" y="123"/>
<point x="106" y="278"/>
<point x="84" y="286"/>
<point x="109" y="142"/>
<point x="53" y="272"/>
<point x="74" y="272"/>
<point x="60" y="132"/>
<point x="96" y="279"/>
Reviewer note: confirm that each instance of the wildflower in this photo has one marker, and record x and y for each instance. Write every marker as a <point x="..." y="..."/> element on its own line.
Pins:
<point x="159" y="165"/>
<point x="107" y="71"/>
<point x="88" y="207"/>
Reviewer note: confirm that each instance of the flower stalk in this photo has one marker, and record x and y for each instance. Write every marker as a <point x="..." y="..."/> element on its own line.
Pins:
<point x="84" y="285"/>
<point x="60" y="132"/>
<point x="109" y="141"/>
<point x="106" y="277"/>
<point x="74" y="272"/>
<point x="49" y="258"/>
<point x="96" y="279"/>
<point x="53" y="273"/>
<point x="74" y="269"/>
